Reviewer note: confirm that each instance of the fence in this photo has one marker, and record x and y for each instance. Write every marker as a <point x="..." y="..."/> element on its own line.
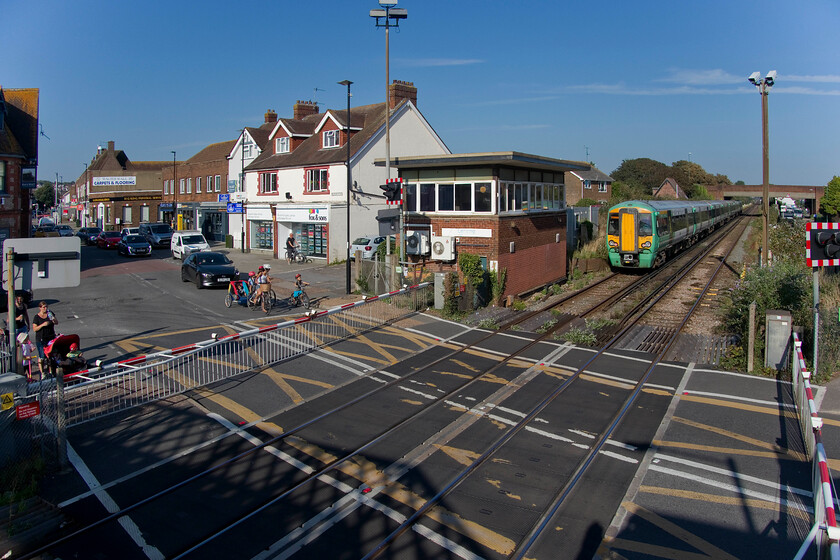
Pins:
<point x="825" y="532"/>
<point x="137" y="381"/>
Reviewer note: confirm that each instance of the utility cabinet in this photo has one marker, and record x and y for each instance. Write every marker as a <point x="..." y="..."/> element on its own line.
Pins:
<point x="777" y="339"/>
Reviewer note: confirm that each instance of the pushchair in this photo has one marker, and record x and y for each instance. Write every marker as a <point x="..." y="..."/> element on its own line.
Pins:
<point x="56" y="352"/>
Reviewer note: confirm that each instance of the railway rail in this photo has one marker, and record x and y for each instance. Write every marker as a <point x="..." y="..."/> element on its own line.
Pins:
<point x="309" y="459"/>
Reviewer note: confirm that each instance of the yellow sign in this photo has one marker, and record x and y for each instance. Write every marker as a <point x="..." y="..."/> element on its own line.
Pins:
<point x="7" y="400"/>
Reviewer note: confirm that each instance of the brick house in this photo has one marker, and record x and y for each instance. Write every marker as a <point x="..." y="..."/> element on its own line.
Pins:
<point x="192" y="189"/>
<point x="299" y="184"/>
<point x="506" y="207"/>
<point x="116" y="192"/>
<point x="670" y="189"/>
<point x="593" y="184"/>
<point x="18" y="159"/>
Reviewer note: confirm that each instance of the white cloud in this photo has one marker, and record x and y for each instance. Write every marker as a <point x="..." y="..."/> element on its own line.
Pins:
<point x="701" y="77"/>
<point x="827" y="79"/>
<point x="429" y="62"/>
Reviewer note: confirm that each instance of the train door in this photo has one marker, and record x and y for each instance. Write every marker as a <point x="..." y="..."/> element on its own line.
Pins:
<point x="628" y="241"/>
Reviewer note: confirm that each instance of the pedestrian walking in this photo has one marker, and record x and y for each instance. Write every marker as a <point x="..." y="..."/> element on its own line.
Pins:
<point x="21" y="316"/>
<point x="28" y="354"/>
<point x="43" y="323"/>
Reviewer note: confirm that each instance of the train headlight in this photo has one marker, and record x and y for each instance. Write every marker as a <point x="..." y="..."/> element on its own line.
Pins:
<point x="646" y="244"/>
<point x="613" y="243"/>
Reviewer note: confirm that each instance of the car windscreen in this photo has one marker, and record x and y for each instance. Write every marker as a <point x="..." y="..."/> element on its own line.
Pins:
<point x="94" y="231"/>
<point x="161" y="228"/>
<point x="213" y="259"/>
<point x="135" y="239"/>
<point x="361" y="241"/>
<point x="193" y="239"/>
<point x="112" y="234"/>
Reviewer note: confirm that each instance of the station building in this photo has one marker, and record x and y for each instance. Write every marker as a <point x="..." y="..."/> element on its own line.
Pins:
<point x="509" y="208"/>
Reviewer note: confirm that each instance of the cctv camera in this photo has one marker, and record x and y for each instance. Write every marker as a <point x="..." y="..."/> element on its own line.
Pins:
<point x="754" y="78"/>
<point x="771" y="78"/>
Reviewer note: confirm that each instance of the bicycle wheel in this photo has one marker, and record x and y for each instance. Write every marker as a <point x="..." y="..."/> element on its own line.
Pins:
<point x="304" y="300"/>
<point x="228" y="300"/>
<point x="252" y="302"/>
<point x="266" y="303"/>
<point x="272" y="297"/>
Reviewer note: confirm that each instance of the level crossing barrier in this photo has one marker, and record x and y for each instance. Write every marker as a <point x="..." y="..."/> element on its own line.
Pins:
<point x="825" y="533"/>
<point x="141" y="380"/>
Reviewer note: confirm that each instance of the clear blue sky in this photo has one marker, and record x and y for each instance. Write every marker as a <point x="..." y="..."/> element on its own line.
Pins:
<point x="657" y="79"/>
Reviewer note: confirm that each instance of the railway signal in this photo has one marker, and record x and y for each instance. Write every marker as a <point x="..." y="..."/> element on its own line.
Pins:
<point x="393" y="191"/>
<point x="822" y="244"/>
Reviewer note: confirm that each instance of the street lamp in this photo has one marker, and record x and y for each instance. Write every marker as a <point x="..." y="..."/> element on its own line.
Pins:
<point x="389" y="13"/>
<point x="764" y="86"/>
<point x="349" y="176"/>
<point x="174" y="186"/>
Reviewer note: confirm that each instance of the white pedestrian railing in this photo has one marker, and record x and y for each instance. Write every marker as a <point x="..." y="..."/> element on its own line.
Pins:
<point x="824" y="534"/>
<point x="136" y="381"/>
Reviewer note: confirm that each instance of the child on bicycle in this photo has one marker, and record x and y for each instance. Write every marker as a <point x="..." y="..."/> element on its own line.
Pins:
<point x="299" y="284"/>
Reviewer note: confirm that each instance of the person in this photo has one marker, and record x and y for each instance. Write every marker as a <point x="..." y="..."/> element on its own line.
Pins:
<point x="28" y="353"/>
<point x="252" y="283"/>
<point x="43" y="323"/>
<point x="21" y="316"/>
<point x="74" y="360"/>
<point x="291" y="247"/>
<point x="299" y="284"/>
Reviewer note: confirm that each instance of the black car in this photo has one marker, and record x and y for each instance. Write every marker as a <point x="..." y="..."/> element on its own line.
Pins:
<point x="134" y="246"/>
<point x="88" y="234"/>
<point x="208" y="269"/>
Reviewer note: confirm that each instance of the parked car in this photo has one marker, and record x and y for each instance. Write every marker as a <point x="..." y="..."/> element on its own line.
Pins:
<point x="134" y="246"/>
<point x="45" y="222"/>
<point x="64" y="230"/>
<point x="158" y="233"/>
<point x="129" y="231"/>
<point x="88" y="235"/>
<point x="186" y="242"/>
<point x="46" y="231"/>
<point x="108" y="239"/>
<point x="368" y="244"/>
<point x="208" y="269"/>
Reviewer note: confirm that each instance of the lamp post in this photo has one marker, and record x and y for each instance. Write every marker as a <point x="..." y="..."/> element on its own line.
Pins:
<point x="764" y="86"/>
<point x="349" y="176"/>
<point x="242" y="190"/>
<point x="174" y="186"/>
<point x="389" y="13"/>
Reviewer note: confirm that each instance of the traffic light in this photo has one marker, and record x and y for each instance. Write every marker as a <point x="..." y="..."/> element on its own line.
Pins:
<point x="393" y="191"/>
<point x="822" y="244"/>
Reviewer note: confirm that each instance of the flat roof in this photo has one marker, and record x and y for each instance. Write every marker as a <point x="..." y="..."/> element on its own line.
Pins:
<point x="483" y="159"/>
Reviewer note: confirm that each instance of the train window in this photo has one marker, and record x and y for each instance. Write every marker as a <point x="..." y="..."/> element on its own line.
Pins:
<point x="662" y="225"/>
<point x="645" y="226"/>
<point x="680" y="222"/>
<point x="612" y="226"/>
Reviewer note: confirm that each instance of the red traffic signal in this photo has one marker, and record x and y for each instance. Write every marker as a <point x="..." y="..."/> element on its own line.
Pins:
<point x="822" y="244"/>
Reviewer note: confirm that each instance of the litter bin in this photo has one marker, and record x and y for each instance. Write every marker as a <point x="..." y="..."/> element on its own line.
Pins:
<point x="229" y="241"/>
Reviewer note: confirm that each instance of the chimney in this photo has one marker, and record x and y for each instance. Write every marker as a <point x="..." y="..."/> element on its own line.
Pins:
<point x="110" y="146"/>
<point x="270" y="116"/>
<point x="305" y="108"/>
<point x="400" y="90"/>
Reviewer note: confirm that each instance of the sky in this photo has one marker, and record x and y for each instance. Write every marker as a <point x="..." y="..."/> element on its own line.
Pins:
<point x="587" y="81"/>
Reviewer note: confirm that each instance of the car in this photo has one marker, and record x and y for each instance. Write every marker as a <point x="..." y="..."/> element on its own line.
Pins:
<point x="47" y="231"/>
<point x="64" y="230"/>
<point x="88" y="234"/>
<point x="208" y="269"/>
<point x="134" y="246"/>
<point x="108" y="239"/>
<point x="45" y="222"/>
<point x="185" y="242"/>
<point x="367" y="245"/>
<point x="157" y="233"/>
<point x="129" y="231"/>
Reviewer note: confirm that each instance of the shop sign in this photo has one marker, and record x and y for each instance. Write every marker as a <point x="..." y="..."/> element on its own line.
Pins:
<point x="319" y="215"/>
<point x="114" y="181"/>
<point x="259" y="214"/>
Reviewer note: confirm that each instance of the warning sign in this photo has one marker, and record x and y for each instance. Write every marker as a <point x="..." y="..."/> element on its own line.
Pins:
<point x="7" y="400"/>
<point x="28" y="410"/>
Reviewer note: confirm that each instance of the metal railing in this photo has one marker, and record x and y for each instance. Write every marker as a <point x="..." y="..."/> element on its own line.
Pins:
<point x="825" y="533"/>
<point x="144" y="379"/>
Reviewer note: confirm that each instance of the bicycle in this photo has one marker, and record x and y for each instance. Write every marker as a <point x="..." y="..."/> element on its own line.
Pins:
<point x="264" y="298"/>
<point x="298" y="257"/>
<point x="299" y="297"/>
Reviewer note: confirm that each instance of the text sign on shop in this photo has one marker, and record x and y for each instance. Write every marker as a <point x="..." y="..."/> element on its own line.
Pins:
<point x="313" y="215"/>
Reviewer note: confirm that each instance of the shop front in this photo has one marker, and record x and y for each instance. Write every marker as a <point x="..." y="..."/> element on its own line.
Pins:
<point x="310" y="224"/>
<point x="187" y="219"/>
<point x="212" y="216"/>
<point x="260" y="228"/>
<point x="165" y="213"/>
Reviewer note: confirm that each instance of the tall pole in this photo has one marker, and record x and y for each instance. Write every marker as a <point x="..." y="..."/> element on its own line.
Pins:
<point x="765" y="149"/>
<point x="174" y="187"/>
<point x="242" y="189"/>
<point x="349" y="179"/>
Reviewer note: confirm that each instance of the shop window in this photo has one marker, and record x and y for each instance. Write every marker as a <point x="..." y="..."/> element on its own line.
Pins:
<point x="126" y="214"/>
<point x="144" y="214"/>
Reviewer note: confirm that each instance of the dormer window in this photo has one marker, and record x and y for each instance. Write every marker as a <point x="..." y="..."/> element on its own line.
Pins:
<point x="281" y="145"/>
<point x="331" y="138"/>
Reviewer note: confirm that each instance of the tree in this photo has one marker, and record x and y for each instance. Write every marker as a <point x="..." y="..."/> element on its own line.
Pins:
<point x="641" y="172"/>
<point x="45" y="194"/>
<point x="830" y="203"/>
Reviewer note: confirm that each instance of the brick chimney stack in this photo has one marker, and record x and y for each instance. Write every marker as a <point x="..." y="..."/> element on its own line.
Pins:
<point x="110" y="146"/>
<point x="270" y="116"/>
<point x="304" y="109"/>
<point x="400" y="90"/>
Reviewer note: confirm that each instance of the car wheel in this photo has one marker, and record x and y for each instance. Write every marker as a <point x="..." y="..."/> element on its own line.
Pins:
<point x="184" y="276"/>
<point x="198" y="281"/>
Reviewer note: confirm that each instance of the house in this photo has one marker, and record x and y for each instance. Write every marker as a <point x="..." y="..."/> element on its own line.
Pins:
<point x="191" y="191"/>
<point x="115" y="192"/>
<point x="593" y="184"/>
<point x="18" y="159"/>
<point x="506" y="207"/>
<point x="670" y="189"/>
<point x="299" y="184"/>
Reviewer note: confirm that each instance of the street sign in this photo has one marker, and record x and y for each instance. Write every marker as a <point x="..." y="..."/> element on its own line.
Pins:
<point x="28" y="410"/>
<point x="234" y="208"/>
<point x="44" y="262"/>
<point x="224" y="198"/>
<point x="80" y="207"/>
<point x="822" y="244"/>
<point x="237" y="197"/>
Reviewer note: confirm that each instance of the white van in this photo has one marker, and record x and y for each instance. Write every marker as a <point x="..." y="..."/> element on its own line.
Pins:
<point x="185" y="242"/>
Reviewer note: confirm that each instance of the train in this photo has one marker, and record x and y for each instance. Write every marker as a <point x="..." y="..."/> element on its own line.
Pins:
<point x="645" y="233"/>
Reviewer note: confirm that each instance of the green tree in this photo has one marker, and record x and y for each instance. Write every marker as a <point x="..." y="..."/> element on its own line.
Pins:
<point x="45" y="194"/>
<point x="830" y="203"/>
<point x="642" y="172"/>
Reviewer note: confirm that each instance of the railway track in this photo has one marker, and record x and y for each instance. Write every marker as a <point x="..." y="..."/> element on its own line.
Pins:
<point x="479" y="408"/>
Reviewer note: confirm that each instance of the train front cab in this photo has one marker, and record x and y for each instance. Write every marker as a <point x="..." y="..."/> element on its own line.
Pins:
<point x="630" y="238"/>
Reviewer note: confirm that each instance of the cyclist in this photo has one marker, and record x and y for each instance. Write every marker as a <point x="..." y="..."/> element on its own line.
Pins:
<point x="299" y="284"/>
<point x="291" y="247"/>
<point x="255" y="281"/>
